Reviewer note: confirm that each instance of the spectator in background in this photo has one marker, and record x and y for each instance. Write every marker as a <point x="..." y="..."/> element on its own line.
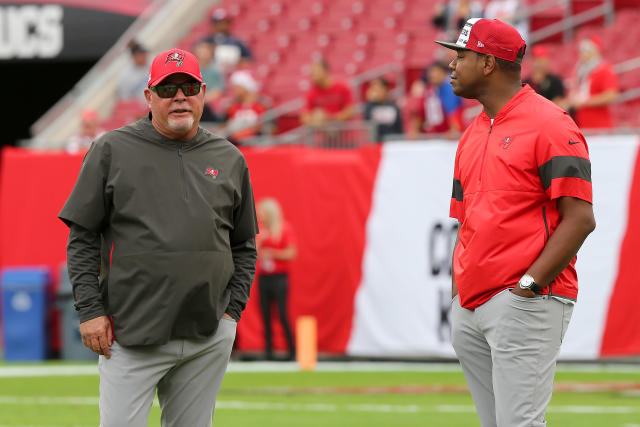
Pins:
<point x="595" y="87"/>
<point x="509" y="11"/>
<point x="380" y="110"/>
<point x="230" y="51"/>
<point x="89" y="131"/>
<point x="327" y="100"/>
<point x="440" y="110"/>
<point x="135" y="75"/>
<point x="451" y="16"/>
<point x="243" y="116"/>
<point x="276" y="250"/>
<point x="212" y="76"/>
<point x="542" y="80"/>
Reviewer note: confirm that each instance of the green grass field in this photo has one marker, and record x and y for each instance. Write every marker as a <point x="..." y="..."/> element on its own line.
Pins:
<point x="351" y="395"/>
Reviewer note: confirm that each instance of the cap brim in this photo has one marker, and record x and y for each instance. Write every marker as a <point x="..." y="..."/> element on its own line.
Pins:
<point x="161" y="78"/>
<point x="449" y="45"/>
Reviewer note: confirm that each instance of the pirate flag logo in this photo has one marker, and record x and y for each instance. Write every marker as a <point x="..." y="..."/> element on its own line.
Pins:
<point x="176" y="57"/>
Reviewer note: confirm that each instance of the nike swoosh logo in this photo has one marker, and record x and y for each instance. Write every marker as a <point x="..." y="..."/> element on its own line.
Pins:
<point x="574" y="142"/>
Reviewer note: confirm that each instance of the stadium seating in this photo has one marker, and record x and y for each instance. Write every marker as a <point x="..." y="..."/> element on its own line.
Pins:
<point x="355" y="36"/>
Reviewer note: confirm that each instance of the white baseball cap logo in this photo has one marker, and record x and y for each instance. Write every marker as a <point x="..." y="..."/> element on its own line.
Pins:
<point x="466" y="31"/>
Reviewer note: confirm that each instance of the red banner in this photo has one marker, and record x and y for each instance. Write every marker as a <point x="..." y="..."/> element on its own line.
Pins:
<point x="325" y="195"/>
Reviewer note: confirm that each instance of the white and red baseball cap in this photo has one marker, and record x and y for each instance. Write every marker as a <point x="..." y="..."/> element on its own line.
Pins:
<point x="490" y="37"/>
<point x="171" y="62"/>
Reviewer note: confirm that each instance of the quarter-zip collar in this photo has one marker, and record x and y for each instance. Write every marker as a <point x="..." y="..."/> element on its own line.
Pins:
<point x="517" y="99"/>
<point x="147" y="131"/>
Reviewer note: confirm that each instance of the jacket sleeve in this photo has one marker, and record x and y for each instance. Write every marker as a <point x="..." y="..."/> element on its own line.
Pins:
<point x="243" y="248"/>
<point x="83" y="262"/>
<point x="88" y="204"/>
<point x="562" y="158"/>
<point x="244" y="260"/>
<point x="456" y="208"/>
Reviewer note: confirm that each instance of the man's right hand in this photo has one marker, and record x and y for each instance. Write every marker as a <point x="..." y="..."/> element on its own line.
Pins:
<point x="97" y="335"/>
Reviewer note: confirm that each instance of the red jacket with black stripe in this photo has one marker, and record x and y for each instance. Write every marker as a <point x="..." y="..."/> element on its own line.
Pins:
<point x="507" y="178"/>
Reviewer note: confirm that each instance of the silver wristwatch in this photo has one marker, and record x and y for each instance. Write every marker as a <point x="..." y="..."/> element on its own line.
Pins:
<point x="527" y="282"/>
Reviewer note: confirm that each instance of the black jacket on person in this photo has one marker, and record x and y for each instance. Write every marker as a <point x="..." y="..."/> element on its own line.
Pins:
<point x="177" y="226"/>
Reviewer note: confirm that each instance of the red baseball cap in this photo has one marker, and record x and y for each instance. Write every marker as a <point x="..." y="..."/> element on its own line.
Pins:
<point x="540" y="51"/>
<point x="597" y="41"/>
<point x="490" y="37"/>
<point x="173" y="61"/>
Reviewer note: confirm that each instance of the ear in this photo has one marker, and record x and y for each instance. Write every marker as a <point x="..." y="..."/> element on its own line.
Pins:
<point x="147" y="96"/>
<point x="488" y="64"/>
<point x="203" y="90"/>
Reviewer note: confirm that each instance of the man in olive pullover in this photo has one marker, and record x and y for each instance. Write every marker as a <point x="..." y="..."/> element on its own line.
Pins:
<point x="161" y="254"/>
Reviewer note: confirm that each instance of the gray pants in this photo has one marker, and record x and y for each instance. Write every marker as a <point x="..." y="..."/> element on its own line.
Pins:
<point x="186" y="373"/>
<point x="508" y="348"/>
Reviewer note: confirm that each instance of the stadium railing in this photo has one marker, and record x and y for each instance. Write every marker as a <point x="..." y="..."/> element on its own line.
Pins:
<point x="336" y="135"/>
<point x="571" y="21"/>
<point x="268" y="118"/>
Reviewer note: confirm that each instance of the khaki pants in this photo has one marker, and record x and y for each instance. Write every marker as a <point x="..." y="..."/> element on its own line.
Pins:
<point x="508" y="348"/>
<point x="186" y="373"/>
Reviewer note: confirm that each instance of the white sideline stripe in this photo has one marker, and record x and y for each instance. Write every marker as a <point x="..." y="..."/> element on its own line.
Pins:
<point x="31" y="425"/>
<point x="44" y="370"/>
<point x="47" y="371"/>
<point x="319" y="407"/>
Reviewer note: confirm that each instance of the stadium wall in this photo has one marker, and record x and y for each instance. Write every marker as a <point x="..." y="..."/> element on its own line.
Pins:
<point x="374" y="242"/>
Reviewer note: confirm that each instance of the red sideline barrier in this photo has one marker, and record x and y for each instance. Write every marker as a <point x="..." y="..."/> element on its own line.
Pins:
<point x="329" y="225"/>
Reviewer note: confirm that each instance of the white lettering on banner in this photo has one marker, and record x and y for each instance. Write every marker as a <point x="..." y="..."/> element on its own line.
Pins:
<point x="29" y="32"/>
<point x="441" y="240"/>
<point x="402" y="304"/>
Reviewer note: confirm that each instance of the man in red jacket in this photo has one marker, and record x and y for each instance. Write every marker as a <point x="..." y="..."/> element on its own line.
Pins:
<point x="522" y="195"/>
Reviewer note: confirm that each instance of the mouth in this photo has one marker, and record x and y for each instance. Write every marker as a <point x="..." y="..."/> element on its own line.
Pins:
<point x="180" y="111"/>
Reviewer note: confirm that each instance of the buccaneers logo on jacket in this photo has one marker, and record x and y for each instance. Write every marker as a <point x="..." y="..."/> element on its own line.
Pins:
<point x="213" y="173"/>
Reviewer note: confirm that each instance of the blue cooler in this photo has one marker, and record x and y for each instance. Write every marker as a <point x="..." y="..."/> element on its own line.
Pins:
<point x="24" y="308"/>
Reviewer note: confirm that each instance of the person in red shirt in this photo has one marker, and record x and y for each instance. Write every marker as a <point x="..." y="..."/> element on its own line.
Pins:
<point x="276" y="251"/>
<point x="243" y="116"/>
<point x="328" y="99"/>
<point x="595" y="87"/>
<point x="522" y="196"/>
<point x="439" y="110"/>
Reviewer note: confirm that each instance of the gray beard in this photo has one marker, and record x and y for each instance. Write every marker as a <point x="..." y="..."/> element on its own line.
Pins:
<point x="175" y="125"/>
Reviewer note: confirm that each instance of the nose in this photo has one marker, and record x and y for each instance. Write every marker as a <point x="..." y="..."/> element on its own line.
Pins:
<point x="180" y="94"/>
<point x="452" y="64"/>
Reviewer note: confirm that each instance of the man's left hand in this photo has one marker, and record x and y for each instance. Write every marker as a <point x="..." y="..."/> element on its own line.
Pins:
<point x="526" y="293"/>
<point x="228" y="316"/>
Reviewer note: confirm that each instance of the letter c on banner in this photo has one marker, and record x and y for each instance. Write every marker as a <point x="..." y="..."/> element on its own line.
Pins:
<point x="441" y="241"/>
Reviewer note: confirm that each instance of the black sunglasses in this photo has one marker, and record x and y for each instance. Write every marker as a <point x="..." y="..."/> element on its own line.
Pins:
<point x="169" y="91"/>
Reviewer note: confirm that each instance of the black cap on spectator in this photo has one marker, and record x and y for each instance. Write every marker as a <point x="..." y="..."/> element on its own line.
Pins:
<point x="440" y="64"/>
<point x="383" y="81"/>
<point x="135" y="47"/>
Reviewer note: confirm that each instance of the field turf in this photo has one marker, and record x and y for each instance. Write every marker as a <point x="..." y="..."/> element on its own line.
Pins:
<point x="354" y="395"/>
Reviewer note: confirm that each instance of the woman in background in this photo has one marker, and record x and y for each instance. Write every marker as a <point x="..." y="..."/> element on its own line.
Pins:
<point x="276" y="250"/>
